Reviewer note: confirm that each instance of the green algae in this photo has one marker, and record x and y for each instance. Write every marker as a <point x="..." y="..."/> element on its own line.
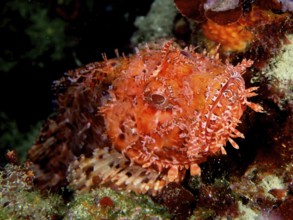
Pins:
<point x="19" y="199"/>
<point x="125" y="206"/>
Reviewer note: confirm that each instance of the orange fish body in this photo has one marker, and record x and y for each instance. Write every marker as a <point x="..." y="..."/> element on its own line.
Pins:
<point x="162" y="112"/>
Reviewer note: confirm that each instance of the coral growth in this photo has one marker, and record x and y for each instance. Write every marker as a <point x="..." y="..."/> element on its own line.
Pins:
<point x="261" y="189"/>
<point x="238" y="36"/>
<point x="156" y="24"/>
<point x="178" y="200"/>
<point x="19" y="200"/>
<point x="216" y="200"/>
<point x="252" y="29"/>
<point x="279" y="73"/>
<point x="107" y="204"/>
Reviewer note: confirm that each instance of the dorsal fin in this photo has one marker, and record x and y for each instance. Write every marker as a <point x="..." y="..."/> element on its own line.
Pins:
<point x="164" y="53"/>
<point x="166" y="48"/>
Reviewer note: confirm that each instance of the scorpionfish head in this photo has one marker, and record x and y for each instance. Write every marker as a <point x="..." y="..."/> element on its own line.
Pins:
<point x="172" y="108"/>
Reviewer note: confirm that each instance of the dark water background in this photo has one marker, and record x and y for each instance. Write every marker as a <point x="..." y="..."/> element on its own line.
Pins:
<point x="40" y="40"/>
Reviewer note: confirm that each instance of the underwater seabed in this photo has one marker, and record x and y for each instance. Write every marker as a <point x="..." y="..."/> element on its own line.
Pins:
<point x="254" y="182"/>
<point x="239" y="185"/>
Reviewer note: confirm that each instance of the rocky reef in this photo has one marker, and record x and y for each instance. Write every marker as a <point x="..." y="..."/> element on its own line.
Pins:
<point x="252" y="182"/>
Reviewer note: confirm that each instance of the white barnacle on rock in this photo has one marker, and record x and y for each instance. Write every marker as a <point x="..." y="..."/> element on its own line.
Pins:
<point x="280" y="72"/>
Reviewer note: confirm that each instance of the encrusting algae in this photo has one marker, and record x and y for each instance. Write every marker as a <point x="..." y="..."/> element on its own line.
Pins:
<point x="239" y="29"/>
<point x="140" y="122"/>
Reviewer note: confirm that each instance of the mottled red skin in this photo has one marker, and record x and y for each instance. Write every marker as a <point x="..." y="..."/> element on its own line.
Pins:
<point x="164" y="109"/>
<point x="178" y="108"/>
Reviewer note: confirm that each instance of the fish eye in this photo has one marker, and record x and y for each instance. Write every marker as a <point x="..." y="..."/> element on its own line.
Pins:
<point x="157" y="99"/>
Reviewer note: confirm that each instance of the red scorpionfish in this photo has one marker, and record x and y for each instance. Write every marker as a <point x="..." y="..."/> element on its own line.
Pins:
<point x="141" y="122"/>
